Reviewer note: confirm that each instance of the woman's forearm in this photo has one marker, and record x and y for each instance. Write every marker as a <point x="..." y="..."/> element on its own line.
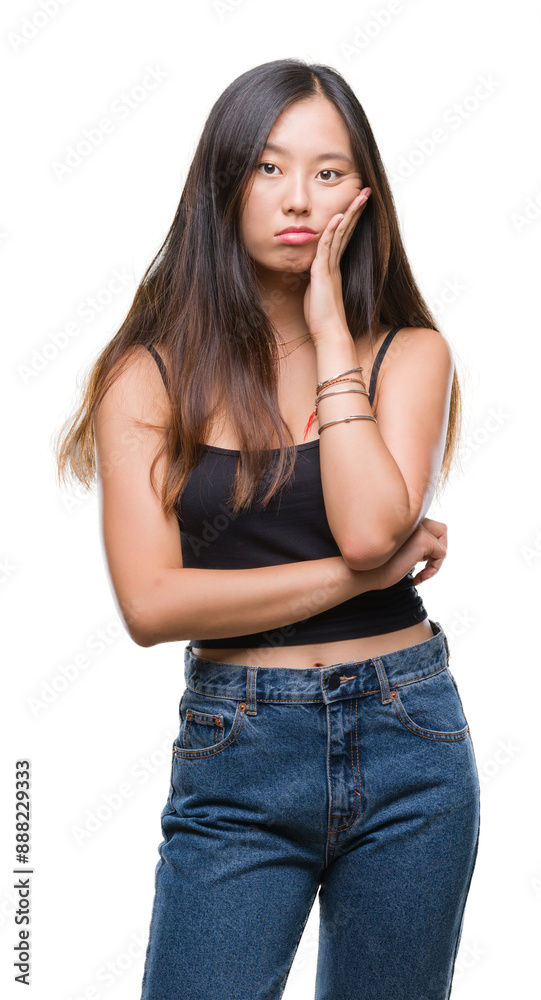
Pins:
<point x="186" y="603"/>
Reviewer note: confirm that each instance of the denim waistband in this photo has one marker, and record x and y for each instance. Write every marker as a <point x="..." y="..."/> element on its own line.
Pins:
<point x="350" y="678"/>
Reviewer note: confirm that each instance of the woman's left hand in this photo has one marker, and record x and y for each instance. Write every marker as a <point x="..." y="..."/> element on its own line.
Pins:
<point x="323" y="303"/>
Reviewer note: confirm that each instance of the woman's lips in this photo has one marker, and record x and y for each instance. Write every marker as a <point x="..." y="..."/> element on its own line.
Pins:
<point x="294" y="238"/>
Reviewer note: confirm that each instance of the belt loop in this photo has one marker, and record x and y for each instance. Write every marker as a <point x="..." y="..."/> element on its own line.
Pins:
<point x="251" y="691"/>
<point x="444" y="637"/>
<point x="383" y="681"/>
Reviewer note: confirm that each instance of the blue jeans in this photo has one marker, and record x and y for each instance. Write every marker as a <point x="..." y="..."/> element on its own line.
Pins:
<point x="358" y="780"/>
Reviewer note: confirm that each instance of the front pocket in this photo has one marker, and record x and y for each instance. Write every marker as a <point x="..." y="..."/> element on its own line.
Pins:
<point x="202" y="729"/>
<point x="204" y="733"/>
<point x="431" y="707"/>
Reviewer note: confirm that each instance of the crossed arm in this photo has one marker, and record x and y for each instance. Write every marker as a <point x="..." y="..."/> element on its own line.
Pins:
<point x="162" y="601"/>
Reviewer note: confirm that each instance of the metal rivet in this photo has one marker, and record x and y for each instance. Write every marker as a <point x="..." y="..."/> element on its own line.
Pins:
<point x="242" y="705"/>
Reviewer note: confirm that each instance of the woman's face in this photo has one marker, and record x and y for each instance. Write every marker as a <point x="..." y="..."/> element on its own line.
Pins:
<point x="304" y="184"/>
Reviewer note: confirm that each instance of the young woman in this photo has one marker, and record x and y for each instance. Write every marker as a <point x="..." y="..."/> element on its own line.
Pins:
<point x="286" y="400"/>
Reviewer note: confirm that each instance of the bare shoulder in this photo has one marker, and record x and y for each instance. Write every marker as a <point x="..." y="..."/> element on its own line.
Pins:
<point x="413" y="353"/>
<point x="412" y="343"/>
<point x="137" y="391"/>
<point x="416" y="354"/>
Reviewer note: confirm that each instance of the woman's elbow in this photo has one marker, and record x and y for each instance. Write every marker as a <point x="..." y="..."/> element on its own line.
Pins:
<point x="140" y="620"/>
<point x="143" y="638"/>
<point x="370" y="554"/>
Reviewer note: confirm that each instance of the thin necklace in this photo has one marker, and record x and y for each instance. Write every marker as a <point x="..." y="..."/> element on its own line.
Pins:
<point x="295" y="348"/>
<point x="284" y="342"/>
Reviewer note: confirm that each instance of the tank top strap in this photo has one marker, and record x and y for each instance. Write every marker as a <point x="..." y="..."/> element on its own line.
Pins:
<point x="159" y="362"/>
<point x="379" y="358"/>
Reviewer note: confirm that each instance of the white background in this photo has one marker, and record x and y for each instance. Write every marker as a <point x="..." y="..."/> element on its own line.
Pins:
<point x="471" y="228"/>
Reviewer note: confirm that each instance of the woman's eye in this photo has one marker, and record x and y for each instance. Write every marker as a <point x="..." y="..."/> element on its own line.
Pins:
<point x="266" y="165"/>
<point x="326" y="170"/>
<point x="329" y="170"/>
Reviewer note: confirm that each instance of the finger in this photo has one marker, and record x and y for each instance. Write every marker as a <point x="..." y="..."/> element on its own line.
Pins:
<point x="326" y="239"/>
<point x="436" y="530"/>
<point x="329" y="233"/>
<point x="424" y="574"/>
<point x="344" y="230"/>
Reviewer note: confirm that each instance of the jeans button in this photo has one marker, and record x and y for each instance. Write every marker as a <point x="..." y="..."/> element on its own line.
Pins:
<point x="334" y="682"/>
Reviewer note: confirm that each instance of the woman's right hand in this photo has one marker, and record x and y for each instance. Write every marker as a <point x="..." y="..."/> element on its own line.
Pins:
<point x="427" y="543"/>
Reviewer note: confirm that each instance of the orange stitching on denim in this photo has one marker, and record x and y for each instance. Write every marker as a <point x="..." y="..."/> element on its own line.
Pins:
<point x="329" y="764"/>
<point x="312" y="701"/>
<point x="414" y="680"/>
<point x="203" y="719"/>
<point x="355" y="812"/>
<point x="329" y="777"/>
<point x="382" y="678"/>
<point x="437" y="735"/>
<point x="251" y="685"/>
<point x="267" y="701"/>
<point x="190" y="754"/>
<point x="278" y="701"/>
<point x="352" y="817"/>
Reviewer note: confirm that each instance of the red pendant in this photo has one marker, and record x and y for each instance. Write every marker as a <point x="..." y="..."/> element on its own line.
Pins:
<point x="308" y="425"/>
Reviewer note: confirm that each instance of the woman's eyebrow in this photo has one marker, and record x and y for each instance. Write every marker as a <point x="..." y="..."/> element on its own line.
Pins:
<point x="323" y="156"/>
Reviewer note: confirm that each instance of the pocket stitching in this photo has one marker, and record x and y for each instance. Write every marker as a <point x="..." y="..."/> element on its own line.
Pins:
<point x="203" y="719"/>
<point x="429" y="734"/>
<point x="238" y="722"/>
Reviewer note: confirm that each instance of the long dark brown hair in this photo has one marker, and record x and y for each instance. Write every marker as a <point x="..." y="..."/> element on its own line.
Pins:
<point x="198" y="300"/>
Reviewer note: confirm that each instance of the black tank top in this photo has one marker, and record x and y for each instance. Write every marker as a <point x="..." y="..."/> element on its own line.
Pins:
<point x="292" y="528"/>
